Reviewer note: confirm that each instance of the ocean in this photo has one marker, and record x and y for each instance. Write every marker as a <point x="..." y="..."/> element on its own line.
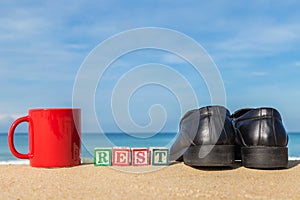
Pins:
<point x="93" y="140"/>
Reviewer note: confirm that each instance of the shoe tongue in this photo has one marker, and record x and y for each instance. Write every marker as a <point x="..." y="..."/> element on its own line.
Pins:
<point x="240" y="112"/>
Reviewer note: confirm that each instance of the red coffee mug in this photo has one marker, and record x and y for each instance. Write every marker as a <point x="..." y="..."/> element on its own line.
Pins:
<point x="54" y="137"/>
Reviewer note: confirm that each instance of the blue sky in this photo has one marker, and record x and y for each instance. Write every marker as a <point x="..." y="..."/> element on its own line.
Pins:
<point x="255" y="45"/>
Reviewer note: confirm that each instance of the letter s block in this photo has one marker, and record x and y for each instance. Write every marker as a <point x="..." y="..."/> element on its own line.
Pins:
<point x="140" y="156"/>
<point x="121" y="156"/>
<point x="159" y="156"/>
<point x="102" y="156"/>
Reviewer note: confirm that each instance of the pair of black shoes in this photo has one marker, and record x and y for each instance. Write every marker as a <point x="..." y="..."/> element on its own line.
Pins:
<point x="210" y="136"/>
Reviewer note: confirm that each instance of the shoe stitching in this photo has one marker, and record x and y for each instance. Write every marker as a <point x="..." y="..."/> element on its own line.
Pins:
<point x="192" y="142"/>
<point x="219" y="121"/>
<point x="260" y="128"/>
<point x="257" y="117"/>
<point x="241" y="138"/>
<point x="239" y="134"/>
<point x="274" y="134"/>
<point x="209" y="125"/>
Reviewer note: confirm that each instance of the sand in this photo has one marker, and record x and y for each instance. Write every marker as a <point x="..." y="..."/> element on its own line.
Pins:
<point x="176" y="181"/>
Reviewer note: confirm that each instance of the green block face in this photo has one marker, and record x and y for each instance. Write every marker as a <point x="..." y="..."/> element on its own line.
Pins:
<point x="102" y="157"/>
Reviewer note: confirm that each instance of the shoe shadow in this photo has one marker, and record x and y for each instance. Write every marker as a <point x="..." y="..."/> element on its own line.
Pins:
<point x="293" y="163"/>
<point x="236" y="165"/>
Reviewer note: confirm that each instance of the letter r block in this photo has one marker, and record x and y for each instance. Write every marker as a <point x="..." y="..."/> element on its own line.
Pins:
<point x="159" y="156"/>
<point x="140" y="156"/>
<point x="121" y="156"/>
<point x="102" y="157"/>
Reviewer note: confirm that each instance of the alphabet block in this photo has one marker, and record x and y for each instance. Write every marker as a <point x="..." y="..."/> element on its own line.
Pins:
<point x="121" y="156"/>
<point x="159" y="156"/>
<point x="102" y="156"/>
<point x="140" y="156"/>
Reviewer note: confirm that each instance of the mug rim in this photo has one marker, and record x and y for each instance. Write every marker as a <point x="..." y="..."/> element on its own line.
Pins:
<point x="54" y="109"/>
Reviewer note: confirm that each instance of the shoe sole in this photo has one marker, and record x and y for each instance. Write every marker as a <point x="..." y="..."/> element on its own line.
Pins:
<point x="264" y="157"/>
<point x="209" y="155"/>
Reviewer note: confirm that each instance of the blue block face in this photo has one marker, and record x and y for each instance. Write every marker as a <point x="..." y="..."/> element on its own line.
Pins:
<point x="102" y="156"/>
<point x="159" y="156"/>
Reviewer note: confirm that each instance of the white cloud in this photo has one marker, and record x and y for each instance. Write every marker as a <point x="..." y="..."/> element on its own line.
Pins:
<point x="173" y="59"/>
<point x="10" y="116"/>
<point x="7" y="119"/>
<point x="261" y="39"/>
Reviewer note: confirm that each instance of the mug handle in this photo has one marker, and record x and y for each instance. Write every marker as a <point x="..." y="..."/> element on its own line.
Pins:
<point x="11" y="138"/>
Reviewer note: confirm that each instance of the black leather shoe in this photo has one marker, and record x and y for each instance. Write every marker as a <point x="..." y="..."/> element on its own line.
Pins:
<point x="261" y="137"/>
<point x="188" y="129"/>
<point x="213" y="144"/>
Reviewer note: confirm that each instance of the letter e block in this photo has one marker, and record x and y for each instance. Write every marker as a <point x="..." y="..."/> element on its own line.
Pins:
<point x="102" y="157"/>
<point x="140" y="156"/>
<point x="159" y="156"/>
<point x="121" y="156"/>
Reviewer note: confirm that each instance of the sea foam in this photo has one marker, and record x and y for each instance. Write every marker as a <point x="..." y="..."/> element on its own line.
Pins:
<point x="14" y="162"/>
<point x="294" y="158"/>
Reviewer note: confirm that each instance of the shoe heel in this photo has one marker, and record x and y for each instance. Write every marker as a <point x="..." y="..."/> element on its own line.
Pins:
<point x="237" y="150"/>
<point x="264" y="157"/>
<point x="209" y="155"/>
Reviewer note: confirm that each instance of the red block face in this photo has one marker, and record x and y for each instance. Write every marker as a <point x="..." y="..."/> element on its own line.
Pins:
<point x="121" y="157"/>
<point x="140" y="156"/>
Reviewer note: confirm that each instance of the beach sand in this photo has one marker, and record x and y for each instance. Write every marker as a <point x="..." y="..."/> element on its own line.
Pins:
<point x="176" y="181"/>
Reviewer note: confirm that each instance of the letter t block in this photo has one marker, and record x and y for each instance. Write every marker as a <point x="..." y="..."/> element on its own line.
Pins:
<point x="102" y="157"/>
<point x="159" y="156"/>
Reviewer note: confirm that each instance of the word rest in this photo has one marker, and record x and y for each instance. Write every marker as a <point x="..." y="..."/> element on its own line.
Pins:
<point x="125" y="156"/>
